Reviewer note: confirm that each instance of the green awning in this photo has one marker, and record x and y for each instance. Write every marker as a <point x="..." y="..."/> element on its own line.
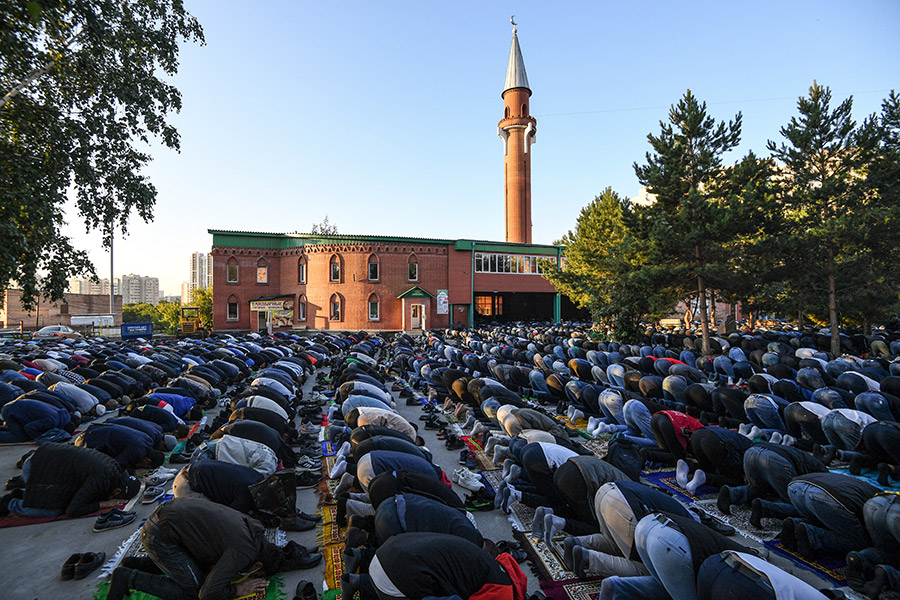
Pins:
<point x="415" y="292"/>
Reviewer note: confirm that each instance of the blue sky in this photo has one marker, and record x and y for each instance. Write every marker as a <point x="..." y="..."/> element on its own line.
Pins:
<point x="383" y="115"/>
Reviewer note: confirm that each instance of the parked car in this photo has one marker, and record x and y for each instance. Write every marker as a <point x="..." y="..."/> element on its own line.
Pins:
<point x="51" y="331"/>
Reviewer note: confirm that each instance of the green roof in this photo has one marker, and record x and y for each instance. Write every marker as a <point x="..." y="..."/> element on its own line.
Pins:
<point x="259" y="239"/>
<point x="415" y="292"/>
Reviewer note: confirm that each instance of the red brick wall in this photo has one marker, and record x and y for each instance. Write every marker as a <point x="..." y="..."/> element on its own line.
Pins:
<point x="49" y="313"/>
<point x="354" y="287"/>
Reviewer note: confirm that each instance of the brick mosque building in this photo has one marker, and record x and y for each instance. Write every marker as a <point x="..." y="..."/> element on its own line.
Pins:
<point x="353" y="282"/>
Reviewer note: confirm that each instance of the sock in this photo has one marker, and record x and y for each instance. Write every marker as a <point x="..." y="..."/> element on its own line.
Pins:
<point x="537" y="525"/>
<point x="744" y="429"/>
<point x="478" y="428"/>
<point x="344" y="450"/>
<point x="592" y="423"/>
<point x="511" y="495"/>
<point x="698" y="480"/>
<point x="569" y="412"/>
<point x="514" y="472"/>
<point x="552" y="524"/>
<point x="507" y="465"/>
<point x="340" y="467"/>
<point x="499" y="453"/>
<point x="776" y="438"/>
<point x="344" y="484"/>
<point x="499" y="495"/>
<point x="576" y="414"/>
<point x="754" y="433"/>
<point x="788" y="440"/>
<point x="469" y="422"/>
<point x="682" y="470"/>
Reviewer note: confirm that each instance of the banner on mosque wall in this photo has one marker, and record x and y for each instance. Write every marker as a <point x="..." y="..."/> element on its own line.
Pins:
<point x="270" y="304"/>
<point x="443" y="302"/>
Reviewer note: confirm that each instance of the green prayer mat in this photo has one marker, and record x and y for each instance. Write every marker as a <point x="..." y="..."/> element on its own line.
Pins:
<point x="274" y="591"/>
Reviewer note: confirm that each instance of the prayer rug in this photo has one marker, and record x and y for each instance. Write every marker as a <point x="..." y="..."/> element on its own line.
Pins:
<point x="325" y="489"/>
<point x="704" y="492"/>
<point x="492" y="479"/>
<point x="485" y="462"/>
<point x="334" y="565"/>
<point x="15" y="520"/>
<point x="573" y="589"/>
<point x="274" y="591"/>
<point x="869" y="476"/>
<point x="599" y="445"/>
<point x="827" y="567"/>
<point x="544" y="561"/>
<point x="328" y="449"/>
<point x="329" y="531"/>
<point x="521" y="516"/>
<point x="25" y="443"/>
<point x="332" y="595"/>
<point x="740" y="520"/>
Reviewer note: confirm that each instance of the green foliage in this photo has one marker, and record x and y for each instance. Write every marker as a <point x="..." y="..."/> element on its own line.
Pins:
<point x="602" y="270"/>
<point x="203" y="299"/>
<point x="324" y="228"/>
<point x="84" y="89"/>
<point x="165" y="316"/>
<point x="690" y="221"/>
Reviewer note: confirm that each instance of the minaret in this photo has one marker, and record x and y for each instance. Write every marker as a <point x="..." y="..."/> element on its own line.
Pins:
<point x="517" y="129"/>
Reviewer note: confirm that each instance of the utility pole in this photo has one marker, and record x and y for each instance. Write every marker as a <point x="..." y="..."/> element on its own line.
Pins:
<point x="112" y="286"/>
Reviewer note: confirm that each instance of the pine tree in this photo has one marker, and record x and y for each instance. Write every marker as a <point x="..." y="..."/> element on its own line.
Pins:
<point x="688" y="225"/>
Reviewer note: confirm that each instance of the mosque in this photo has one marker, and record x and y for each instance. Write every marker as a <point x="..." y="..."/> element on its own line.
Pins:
<point x="282" y="281"/>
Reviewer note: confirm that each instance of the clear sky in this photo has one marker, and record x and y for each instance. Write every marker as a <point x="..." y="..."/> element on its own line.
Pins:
<point x="383" y="115"/>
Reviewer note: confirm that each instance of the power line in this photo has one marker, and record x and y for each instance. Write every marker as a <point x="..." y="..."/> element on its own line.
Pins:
<point x="637" y="109"/>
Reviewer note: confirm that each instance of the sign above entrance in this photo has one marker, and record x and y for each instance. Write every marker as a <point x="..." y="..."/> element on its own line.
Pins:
<point x="269" y="304"/>
<point x="443" y="302"/>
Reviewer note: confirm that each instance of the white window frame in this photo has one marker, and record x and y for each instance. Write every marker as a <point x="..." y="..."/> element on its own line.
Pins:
<point x="377" y="306"/>
<point x="228" y="278"/>
<point x="301" y="272"/>
<point x="301" y="310"/>
<point x="237" y="311"/>
<point x="377" y="271"/>
<point x="408" y="265"/>
<point x="331" y="273"/>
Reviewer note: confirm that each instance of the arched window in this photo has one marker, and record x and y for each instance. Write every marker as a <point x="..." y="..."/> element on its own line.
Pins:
<point x="301" y="269"/>
<point x="334" y="268"/>
<point x="506" y="113"/>
<point x="412" y="268"/>
<point x="373" y="268"/>
<point x="262" y="271"/>
<point x="301" y="308"/>
<point x="231" y="308"/>
<point x="374" y="312"/>
<point x="524" y="110"/>
<point x="231" y="270"/>
<point x="336" y="308"/>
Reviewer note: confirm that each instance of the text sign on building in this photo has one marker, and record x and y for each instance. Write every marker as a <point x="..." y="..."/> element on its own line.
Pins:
<point x="267" y="305"/>
<point x="443" y="302"/>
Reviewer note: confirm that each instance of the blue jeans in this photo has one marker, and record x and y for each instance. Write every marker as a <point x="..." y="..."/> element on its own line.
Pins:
<point x="762" y="410"/>
<point x="841" y="432"/>
<point x="719" y="580"/>
<point x="876" y="405"/>
<point x="612" y="404"/>
<point x="841" y="530"/>
<point x="638" y="417"/>
<point x="882" y="518"/>
<point x="171" y="559"/>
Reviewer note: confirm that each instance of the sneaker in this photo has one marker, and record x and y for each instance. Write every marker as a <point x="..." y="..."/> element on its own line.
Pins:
<point x="454" y="443"/>
<point x="115" y="520"/>
<point x="308" y="464"/>
<point x="158" y="479"/>
<point x="308" y="479"/>
<point x="463" y="456"/>
<point x="471" y="460"/>
<point x="470" y="481"/>
<point x="152" y="494"/>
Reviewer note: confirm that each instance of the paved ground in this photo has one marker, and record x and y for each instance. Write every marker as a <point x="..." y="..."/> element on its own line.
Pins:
<point x="31" y="556"/>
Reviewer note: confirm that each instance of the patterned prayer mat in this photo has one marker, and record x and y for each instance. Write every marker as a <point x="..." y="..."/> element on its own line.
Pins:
<point x="704" y="492"/>
<point x="332" y="595"/>
<point x="740" y="520"/>
<point x="573" y="589"/>
<point x="827" y="567"/>
<point x="545" y="562"/>
<point x="520" y="516"/>
<point x="334" y="565"/>
<point x="599" y="445"/>
<point x="325" y="490"/>
<point x="329" y="531"/>
<point x="274" y="591"/>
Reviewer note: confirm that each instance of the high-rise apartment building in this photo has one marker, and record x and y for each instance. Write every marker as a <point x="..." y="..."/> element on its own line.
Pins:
<point x="83" y="285"/>
<point x="136" y="289"/>
<point x="201" y="275"/>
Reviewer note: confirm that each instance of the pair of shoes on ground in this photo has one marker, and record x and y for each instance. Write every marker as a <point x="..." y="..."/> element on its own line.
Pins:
<point x="467" y="458"/>
<point x="114" y="519"/>
<point x="481" y="499"/>
<point x="152" y="494"/>
<point x="454" y="443"/>
<point x="79" y="566"/>
<point x="308" y="479"/>
<point x="306" y="590"/>
<point x="305" y="463"/>
<point x="468" y="479"/>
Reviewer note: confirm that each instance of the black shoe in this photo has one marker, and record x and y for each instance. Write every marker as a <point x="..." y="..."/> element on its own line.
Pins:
<point x="4" y="504"/>
<point x="114" y="521"/>
<point x="306" y="591"/>
<point x="300" y="561"/>
<point x="435" y="424"/>
<point x="723" y="502"/>
<point x="68" y="568"/>
<point x="455" y="443"/>
<point x="874" y="588"/>
<point x="856" y="465"/>
<point x="297" y="524"/>
<point x="788" y="534"/>
<point x="316" y="517"/>
<point x="118" y="584"/>
<point x="308" y="479"/>
<point x="350" y="584"/>
<point x="804" y="548"/>
<point x="88" y="562"/>
<point x="858" y="570"/>
<point x="179" y="459"/>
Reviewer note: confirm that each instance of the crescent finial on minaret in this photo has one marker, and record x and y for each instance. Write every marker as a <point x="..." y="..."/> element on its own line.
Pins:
<point x="512" y="21"/>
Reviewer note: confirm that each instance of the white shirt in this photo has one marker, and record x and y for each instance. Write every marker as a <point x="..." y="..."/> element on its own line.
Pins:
<point x="555" y="454"/>
<point x="785" y="585"/>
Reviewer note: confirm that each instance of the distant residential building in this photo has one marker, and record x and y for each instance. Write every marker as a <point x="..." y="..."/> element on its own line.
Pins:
<point x="185" y="292"/>
<point x="170" y="299"/>
<point x="84" y="285"/>
<point x="200" y="274"/>
<point x="136" y="289"/>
